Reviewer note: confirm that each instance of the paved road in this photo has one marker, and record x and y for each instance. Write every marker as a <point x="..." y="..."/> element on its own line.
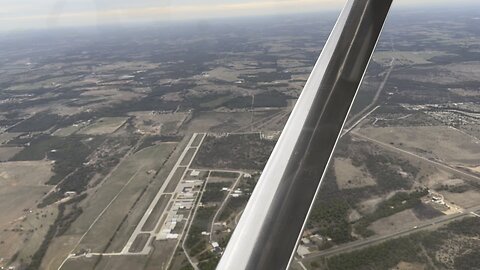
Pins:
<point x="138" y="229"/>
<point x="232" y="188"/>
<point x="428" y="224"/>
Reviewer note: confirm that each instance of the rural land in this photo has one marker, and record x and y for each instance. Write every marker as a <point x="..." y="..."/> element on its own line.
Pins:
<point x="138" y="148"/>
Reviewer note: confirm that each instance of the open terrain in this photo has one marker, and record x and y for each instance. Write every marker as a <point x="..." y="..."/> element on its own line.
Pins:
<point x="139" y="148"/>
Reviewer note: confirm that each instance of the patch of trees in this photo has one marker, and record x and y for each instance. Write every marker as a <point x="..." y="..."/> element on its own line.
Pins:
<point x="234" y="205"/>
<point x="210" y="264"/>
<point x="79" y="179"/>
<point x="59" y="149"/>
<point x="242" y="151"/>
<point x="468" y="226"/>
<point x="38" y="122"/>
<point x="329" y="214"/>
<point x="470" y="260"/>
<point x="196" y="242"/>
<point x="383" y="169"/>
<point x="213" y="192"/>
<point x="455" y="188"/>
<point x="330" y="217"/>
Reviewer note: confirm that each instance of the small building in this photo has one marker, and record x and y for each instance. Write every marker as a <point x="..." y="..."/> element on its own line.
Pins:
<point x="172" y="236"/>
<point x="195" y="173"/>
<point x="70" y="193"/>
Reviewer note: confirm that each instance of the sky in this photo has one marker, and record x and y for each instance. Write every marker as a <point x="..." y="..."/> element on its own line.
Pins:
<point x="33" y="14"/>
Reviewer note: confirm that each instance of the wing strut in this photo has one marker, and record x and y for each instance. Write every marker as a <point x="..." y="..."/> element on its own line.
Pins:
<point x="275" y="216"/>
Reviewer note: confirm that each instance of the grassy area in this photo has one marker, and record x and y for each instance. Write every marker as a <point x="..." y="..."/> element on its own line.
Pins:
<point x="196" y="242"/>
<point x="233" y="206"/>
<point x="399" y="202"/>
<point x="114" y="227"/>
<point x="213" y="192"/>
<point x="221" y="174"/>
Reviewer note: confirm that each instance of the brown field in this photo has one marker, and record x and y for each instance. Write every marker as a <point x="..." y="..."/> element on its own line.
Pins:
<point x="22" y="225"/>
<point x="350" y="176"/>
<point x="7" y="153"/>
<point x="158" y="123"/>
<point x="58" y="250"/>
<point x="465" y="199"/>
<point x="133" y="169"/>
<point x="105" y="125"/>
<point x="224" y="74"/>
<point x="25" y="173"/>
<point x="409" y="266"/>
<point x="7" y="136"/>
<point x="440" y="142"/>
<point x="399" y="221"/>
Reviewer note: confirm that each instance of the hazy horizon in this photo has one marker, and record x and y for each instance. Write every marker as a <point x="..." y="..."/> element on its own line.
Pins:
<point x="29" y="15"/>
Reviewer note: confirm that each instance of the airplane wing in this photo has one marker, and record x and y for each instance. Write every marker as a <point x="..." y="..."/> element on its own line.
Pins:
<point x="270" y="228"/>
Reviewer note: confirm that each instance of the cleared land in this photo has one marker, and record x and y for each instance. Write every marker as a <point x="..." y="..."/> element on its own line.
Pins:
<point x="350" y="176"/>
<point x="21" y="224"/>
<point x="439" y="142"/>
<point x="158" y="123"/>
<point x="67" y="131"/>
<point x="25" y="173"/>
<point x="105" y="125"/>
<point x="7" y="153"/>
<point x="465" y="199"/>
<point x="7" y="136"/>
<point x="131" y="178"/>
<point x="397" y="222"/>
